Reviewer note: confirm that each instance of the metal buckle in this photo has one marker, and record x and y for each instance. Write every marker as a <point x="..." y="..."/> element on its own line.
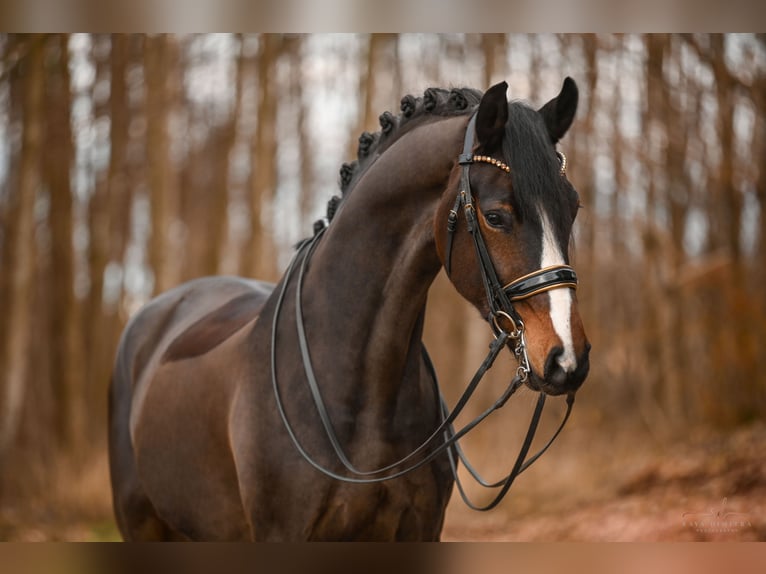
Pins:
<point x="518" y="328"/>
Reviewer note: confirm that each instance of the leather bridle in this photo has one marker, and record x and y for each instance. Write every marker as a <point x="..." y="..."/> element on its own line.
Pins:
<point x="500" y="300"/>
<point x="500" y="297"/>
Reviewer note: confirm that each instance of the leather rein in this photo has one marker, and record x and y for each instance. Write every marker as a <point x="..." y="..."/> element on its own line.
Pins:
<point x="500" y="300"/>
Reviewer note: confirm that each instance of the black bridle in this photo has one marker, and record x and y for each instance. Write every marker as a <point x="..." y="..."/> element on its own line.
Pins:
<point x="500" y="297"/>
<point x="500" y="300"/>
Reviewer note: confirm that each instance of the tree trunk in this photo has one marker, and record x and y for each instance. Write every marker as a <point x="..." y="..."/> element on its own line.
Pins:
<point x="294" y="48"/>
<point x="217" y="219"/>
<point x="9" y="204"/>
<point x="18" y="342"/>
<point x="66" y="345"/>
<point x="109" y="219"/>
<point x="164" y="254"/>
<point x="651" y="390"/>
<point x="741" y="360"/>
<point x="676" y="201"/>
<point x="379" y="84"/>
<point x="260" y="261"/>
<point x="493" y="47"/>
<point x="587" y="186"/>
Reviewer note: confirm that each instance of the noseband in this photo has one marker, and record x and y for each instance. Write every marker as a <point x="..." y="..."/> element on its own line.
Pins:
<point x="499" y="298"/>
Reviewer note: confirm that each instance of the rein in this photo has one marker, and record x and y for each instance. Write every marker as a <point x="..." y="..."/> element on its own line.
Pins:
<point x="500" y="300"/>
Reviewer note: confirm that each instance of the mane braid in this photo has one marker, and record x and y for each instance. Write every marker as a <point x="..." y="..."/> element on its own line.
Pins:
<point x="415" y="111"/>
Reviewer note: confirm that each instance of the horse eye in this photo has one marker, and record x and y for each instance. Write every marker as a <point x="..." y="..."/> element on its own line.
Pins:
<point x="494" y="219"/>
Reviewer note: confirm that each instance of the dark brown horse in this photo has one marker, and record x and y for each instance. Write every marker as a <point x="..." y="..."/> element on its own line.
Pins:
<point x="198" y="448"/>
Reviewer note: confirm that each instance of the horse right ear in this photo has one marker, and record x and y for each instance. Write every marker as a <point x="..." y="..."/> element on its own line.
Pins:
<point x="560" y="111"/>
<point x="492" y="117"/>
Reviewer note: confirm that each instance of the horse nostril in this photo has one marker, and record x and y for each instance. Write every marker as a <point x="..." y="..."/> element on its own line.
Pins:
<point x="554" y="372"/>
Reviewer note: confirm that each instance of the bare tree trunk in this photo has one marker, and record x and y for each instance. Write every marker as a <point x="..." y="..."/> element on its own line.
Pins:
<point x="260" y="262"/>
<point x="294" y="48"/>
<point x="66" y="343"/>
<point x="379" y="81"/>
<point x="23" y="249"/>
<point x="617" y="220"/>
<point x="587" y="187"/>
<point x="9" y="205"/>
<point x="740" y="364"/>
<point x="759" y="270"/>
<point x="109" y="220"/>
<point x="535" y="66"/>
<point x="98" y="226"/>
<point x="367" y="84"/>
<point x="119" y="181"/>
<point x="730" y="199"/>
<point x="163" y="254"/>
<point x="759" y="99"/>
<point x="676" y="201"/>
<point x="217" y="225"/>
<point x="493" y="47"/>
<point x="651" y="392"/>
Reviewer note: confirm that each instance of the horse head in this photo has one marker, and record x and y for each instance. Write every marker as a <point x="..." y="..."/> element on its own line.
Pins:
<point x="503" y="230"/>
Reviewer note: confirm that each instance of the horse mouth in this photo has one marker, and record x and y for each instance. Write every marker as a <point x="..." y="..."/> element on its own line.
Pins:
<point x="560" y="383"/>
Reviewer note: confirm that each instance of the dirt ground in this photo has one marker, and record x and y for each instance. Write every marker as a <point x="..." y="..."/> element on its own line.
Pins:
<point x="705" y="486"/>
<point x="708" y="486"/>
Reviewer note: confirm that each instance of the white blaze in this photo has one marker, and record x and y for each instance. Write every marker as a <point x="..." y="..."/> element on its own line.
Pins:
<point x="560" y="299"/>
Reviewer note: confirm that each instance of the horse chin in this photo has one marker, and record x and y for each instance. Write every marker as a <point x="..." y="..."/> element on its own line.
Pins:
<point x="539" y="384"/>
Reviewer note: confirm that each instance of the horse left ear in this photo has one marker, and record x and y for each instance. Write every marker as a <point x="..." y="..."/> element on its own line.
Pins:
<point x="492" y="117"/>
<point x="560" y="111"/>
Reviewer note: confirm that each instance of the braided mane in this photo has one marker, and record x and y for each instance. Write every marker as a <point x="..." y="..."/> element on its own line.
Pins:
<point x="434" y="103"/>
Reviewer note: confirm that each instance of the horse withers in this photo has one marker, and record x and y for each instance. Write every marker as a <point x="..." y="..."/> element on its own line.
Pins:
<point x="240" y="410"/>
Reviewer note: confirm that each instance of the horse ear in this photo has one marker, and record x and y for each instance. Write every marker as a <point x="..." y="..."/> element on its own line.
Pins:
<point x="492" y="117"/>
<point x="560" y="111"/>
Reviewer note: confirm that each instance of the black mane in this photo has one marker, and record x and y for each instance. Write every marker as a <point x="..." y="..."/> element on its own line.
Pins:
<point x="526" y="149"/>
<point x="534" y="167"/>
<point x="434" y="103"/>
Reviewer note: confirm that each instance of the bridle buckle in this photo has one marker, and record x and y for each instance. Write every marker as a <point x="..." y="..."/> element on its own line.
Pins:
<point x="497" y="329"/>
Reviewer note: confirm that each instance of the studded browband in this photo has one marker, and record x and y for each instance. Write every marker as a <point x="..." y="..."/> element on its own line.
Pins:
<point x="506" y="168"/>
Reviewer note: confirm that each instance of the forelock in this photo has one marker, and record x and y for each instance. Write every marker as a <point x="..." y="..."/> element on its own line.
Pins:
<point x="535" y="175"/>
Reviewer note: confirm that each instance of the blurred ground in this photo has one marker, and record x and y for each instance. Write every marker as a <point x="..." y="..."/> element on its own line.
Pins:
<point x="705" y="486"/>
<point x="708" y="486"/>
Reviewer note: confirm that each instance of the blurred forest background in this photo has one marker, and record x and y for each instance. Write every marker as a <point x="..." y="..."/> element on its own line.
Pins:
<point x="131" y="163"/>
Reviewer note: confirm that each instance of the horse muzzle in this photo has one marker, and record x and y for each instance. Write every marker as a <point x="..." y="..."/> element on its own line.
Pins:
<point x="557" y="378"/>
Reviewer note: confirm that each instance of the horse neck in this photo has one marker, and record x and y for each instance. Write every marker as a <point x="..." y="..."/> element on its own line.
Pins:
<point x="370" y="275"/>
